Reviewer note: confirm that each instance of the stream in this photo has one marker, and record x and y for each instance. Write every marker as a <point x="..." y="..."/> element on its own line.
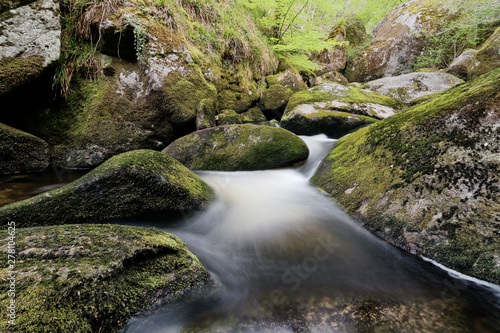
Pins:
<point x="285" y="258"/>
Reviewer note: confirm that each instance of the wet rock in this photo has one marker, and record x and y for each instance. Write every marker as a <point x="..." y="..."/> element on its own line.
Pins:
<point x="426" y="179"/>
<point x="274" y="100"/>
<point x="126" y="185"/>
<point x="21" y="152"/>
<point x="335" y="109"/>
<point x="398" y="39"/>
<point x="95" y="277"/>
<point x="407" y="87"/>
<point x="460" y="65"/>
<point x="487" y="57"/>
<point x="238" y="147"/>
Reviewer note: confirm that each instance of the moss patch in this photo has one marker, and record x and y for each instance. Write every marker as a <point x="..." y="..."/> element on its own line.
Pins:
<point x="126" y="185"/>
<point x="15" y="72"/>
<point x="21" y="152"/>
<point x="426" y="178"/>
<point x="238" y="147"/>
<point x="90" y="278"/>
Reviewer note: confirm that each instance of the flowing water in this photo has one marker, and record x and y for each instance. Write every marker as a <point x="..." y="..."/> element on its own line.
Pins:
<point x="285" y="258"/>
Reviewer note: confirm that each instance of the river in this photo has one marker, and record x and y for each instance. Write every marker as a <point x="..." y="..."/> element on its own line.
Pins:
<point x="285" y="258"/>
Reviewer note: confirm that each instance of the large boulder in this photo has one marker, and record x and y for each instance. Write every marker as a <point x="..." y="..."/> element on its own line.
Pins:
<point x="407" y="87"/>
<point x="93" y="278"/>
<point x="235" y="98"/>
<point x="126" y="185"/>
<point x="238" y="147"/>
<point x="335" y="109"/>
<point x="274" y="100"/>
<point x="398" y="39"/>
<point x="21" y="152"/>
<point x="461" y="64"/>
<point x="487" y="58"/>
<point x="427" y="179"/>
<point x="30" y="47"/>
<point x="288" y="80"/>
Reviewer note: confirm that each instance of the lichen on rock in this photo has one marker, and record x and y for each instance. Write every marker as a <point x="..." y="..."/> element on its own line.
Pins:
<point x="426" y="179"/>
<point x="126" y="185"/>
<point x="238" y="147"/>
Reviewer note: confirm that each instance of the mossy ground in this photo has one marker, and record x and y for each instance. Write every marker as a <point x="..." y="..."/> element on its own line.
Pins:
<point x="238" y="147"/>
<point x="126" y="185"/>
<point x="426" y="177"/>
<point x="93" y="278"/>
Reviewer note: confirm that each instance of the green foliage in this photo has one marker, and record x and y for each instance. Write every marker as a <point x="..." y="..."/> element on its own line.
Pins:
<point x="475" y="21"/>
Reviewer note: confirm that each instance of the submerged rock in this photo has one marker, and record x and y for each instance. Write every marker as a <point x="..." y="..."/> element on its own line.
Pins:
<point x="238" y="147"/>
<point x="21" y="152"/>
<point x="335" y="109"/>
<point x="398" y="39"/>
<point x="126" y="185"/>
<point x="407" y="87"/>
<point x="427" y="179"/>
<point x="90" y="278"/>
<point x="487" y="57"/>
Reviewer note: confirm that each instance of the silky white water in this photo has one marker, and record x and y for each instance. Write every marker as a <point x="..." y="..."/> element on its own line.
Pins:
<point x="270" y="239"/>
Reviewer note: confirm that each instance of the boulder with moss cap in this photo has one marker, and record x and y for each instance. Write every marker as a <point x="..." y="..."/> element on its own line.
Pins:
<point x="93" y="278"/>
<point x="335" y="109"/>
<point x="238" y="147"/>
<point x="126" y="185"/>
<point x="427" y="179"/>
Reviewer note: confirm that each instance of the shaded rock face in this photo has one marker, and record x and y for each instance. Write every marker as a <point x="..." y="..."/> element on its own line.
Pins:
<point x="92" y="277"/>
<point x="335" y="109"/>
<point x="21" y="152"/>
<point x="238" y="147"/>
<point x="460" y="65"/>
<point x="126" y="185"/>
<point x="30" y="47"/>
<point x="487" y="58"/>
<point x="426" y="179"/>
<point x="205" y="114"/>
<point x="143" y="104"/>
<point x="398" y="39"/>
<point x="407" y="87"/>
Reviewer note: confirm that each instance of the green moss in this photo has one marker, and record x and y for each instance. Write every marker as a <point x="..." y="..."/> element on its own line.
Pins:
<point x="89" y="278"/>
<point x="21" y="152"/>
<point x="228" y="117"/>
<point x="417" y="169"/>
<point x="126" y="185"/>
<point x="15" y="72"/>
<point x="275" y="98"/>
<point x="487" y="58"/>
<point x="254" y="115"/>
<point x="238" y="147"/>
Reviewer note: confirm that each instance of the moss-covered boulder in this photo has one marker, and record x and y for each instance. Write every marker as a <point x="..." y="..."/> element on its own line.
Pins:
<point x="427" y="179"/>
<point x="335" y="109"/>
<point x="126" y="185"/>
<point x="228" y="117"/>
<point x="397" y="41"/>
<point x="487" y="58"/>
<point x="332" y="77"/>
<point x="235" y="98"/>
<point x="238" y="147"/>
<point x="205" y="114"/>
<point x="287" y="79"/>
<point x="253" y="115"/>
<point x="407" y="87"/>
<point x="21" y="152"/>
<point x="92" y="278"/>
<point x="274" y="100"/>
<point x="461" y="64"/>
